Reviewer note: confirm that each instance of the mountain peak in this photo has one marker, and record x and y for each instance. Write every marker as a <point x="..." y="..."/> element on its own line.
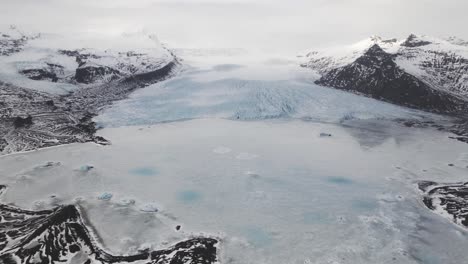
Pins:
<point x="375" y="50"/>
<point x="415" y="41"/>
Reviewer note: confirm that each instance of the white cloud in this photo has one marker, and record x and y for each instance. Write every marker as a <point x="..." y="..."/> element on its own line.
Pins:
<point x="264" y="24"/>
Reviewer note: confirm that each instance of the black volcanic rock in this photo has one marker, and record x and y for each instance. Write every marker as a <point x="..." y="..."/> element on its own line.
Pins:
<point x="61" y="235"/>
<point x="90" y="74"/>
<point x="40" y="74"/>
<point x="449" y="198"/>
<point x="375" y="74"/>
<point x="413" y="41"/>
<point x="22" y="122"/>
<point x="63" y="119"/>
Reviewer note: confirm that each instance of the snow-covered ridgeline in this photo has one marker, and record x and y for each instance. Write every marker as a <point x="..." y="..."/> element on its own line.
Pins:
<point x="441" y="63"/>
<point x="51" y="86"/>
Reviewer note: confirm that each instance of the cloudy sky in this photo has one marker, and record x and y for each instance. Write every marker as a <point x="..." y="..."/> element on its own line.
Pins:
<point x="273" y="25"/>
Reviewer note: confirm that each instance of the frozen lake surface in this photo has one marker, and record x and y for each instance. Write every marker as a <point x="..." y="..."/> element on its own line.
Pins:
<point x="246" y="163"/>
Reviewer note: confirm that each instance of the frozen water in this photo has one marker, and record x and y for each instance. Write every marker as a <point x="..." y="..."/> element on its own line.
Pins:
<point x="188" y="196"/>
<point x="144" y="171"/>
<point x="270" y="188"/>
<point x="302" y="198"/>
<point x="222" y="150"/>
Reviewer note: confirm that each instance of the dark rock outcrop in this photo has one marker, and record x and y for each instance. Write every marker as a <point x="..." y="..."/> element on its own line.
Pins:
<point x="451" y="199"/>
<point x="62" y="119"/>
<point x="50" y="72"/>
<point x="30" y="119"/>
<point x="91" y="74"/>
<point x="22" y="122"/>
<point x="375" y="74"/>
<point x="61" y="235"/>
<point x="40" y="74"/>
<point x="413" y="41"/>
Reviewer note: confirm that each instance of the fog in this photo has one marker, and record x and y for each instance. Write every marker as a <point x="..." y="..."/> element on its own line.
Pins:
<point x="273" y="26"/>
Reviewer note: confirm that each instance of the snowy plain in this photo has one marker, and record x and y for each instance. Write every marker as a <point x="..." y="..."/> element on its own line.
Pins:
<point x="232" y="148"/>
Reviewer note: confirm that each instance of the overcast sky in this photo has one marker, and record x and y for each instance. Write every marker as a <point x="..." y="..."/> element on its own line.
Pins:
<point x="273" y="25"/>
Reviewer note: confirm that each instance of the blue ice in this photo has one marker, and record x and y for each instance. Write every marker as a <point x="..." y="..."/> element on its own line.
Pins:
<point x="339" y="180"/>
<point x="316" y="218"/>
<point x="258" y="236"/>
<point x="144" y="171"/>
<point x="364" y="204"/>
<point x="189" y="196"/>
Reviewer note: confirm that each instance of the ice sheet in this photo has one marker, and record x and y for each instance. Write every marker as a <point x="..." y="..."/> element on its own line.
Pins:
<point x="274" y="191"/>
<point x="237" y="91"/>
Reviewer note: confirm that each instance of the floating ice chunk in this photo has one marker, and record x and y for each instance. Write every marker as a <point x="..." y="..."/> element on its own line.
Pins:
<point x="126" y="202"/>
<point x="222" y="150"/>
<point x="246" y="156"/>
<point x="252" y="174"/>
<point x="49" y="164"/>
<point x="54" y="200"/>
<point x="149" y="208"/>
<point x="86" y="168"/>
<point x="79" y="199"/>
<point x="325" y="134"/>
<point x="390" y="198"/>
<point x="105" y="196"/>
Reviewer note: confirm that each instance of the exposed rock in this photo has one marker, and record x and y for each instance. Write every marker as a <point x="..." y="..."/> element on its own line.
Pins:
<point x="91" y="74"/>
<point x="30" y="119"/>
<point x="63" y="119"/>
<point x="440" y="64"/>
<point x="40" y="74"/>
<point x="49" y="72"/>
<point x="12" y="42"/>
<point x="22" y="122"/>
<point x="61" y="235"/>
<point x="375" y="74"/>
<point x="413" y="41"/>
<point x="447" y="200"/>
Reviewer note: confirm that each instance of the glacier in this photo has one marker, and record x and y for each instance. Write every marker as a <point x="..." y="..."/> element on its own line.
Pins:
<point x="235" y="151"/>
<point x="247" y="91"/>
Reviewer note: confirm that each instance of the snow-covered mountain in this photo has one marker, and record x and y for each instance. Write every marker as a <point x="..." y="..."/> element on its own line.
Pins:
<point x="419" y="71"/>
<point x="51" y="86"/>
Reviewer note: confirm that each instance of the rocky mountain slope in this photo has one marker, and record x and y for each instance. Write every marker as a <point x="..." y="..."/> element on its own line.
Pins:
<point x="376" y="74"/>
<point x="441" y="66"/>
<point x="417" y="72"/>
<point x="50" y="90"/>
